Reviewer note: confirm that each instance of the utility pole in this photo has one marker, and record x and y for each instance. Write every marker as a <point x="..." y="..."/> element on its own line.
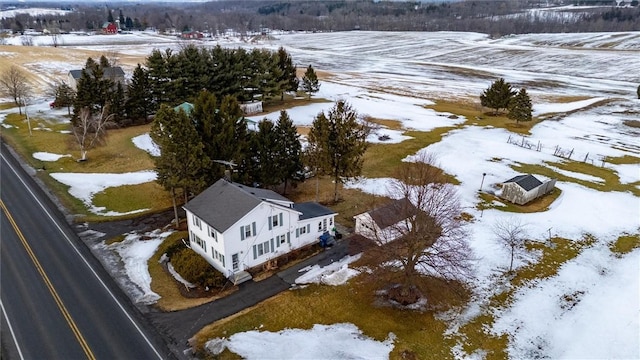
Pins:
<point x="482" y="182"/>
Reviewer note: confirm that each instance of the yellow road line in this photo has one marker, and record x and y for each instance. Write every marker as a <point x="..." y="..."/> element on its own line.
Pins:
<point x="52" y="290"/>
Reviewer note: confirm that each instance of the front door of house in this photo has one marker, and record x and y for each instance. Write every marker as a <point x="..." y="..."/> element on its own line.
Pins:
<point x="234" y="262"/>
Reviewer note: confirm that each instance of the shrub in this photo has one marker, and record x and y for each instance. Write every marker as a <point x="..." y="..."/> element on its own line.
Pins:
<point x="195" y="269"/>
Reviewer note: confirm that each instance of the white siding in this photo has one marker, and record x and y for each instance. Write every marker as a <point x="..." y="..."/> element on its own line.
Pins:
<point x="232" y="241"/>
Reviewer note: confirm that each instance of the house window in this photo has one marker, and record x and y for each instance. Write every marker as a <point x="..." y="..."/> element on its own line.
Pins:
<point x="196" y="222"/>
<point x="248" y="231"/>
<point x="222" y="259"/>
<point x="260" y="249"/>
<point x="212" y="234"/>
<point x="274" y="220"/>
<point x="320" y="226"/>
<point x="302" y="230"/>
<point x="281" y="239"/>
<point x="330" y="221"/>
<point x="200" y="242"/>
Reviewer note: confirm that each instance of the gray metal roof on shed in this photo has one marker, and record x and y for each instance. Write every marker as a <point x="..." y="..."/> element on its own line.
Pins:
<point x="311" y="209"/>
<point x="109" y="72"/>
<point x="527" y="182"/>
<point x="224" y="203"/>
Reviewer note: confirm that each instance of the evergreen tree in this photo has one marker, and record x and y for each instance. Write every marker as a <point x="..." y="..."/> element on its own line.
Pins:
<point x="121" y="19"/>
<point x="104" y="62"/>
<point x="117" y="105"/>
<point x="310" y="82"/>
<point x="264" y="147"/>
<point x="339" y="140"/>
<point x="206" y="119"/>
<point x="128" y="23"/>
<point x="497" y="96"/>
<point x="181" y="159"/>
<point x="139" y="101"/>
<point x="109" y="15"/>
<point x="520" y="107"/>
<point x="158" y="72"/>
<point x="288" y="150"/>
<point x="638" y="91"/>
<point x="288" y="80"/>
<point x="64" y="96"/>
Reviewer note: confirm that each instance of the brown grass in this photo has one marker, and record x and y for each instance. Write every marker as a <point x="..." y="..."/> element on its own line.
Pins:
<point x="417" y="332"/>
<point x="476" y="115"/>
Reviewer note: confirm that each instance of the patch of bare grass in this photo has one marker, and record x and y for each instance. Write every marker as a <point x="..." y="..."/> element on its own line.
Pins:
<point x="632" y="123"/>
<point x="149" y="196"/>
<point x="625" y="244"/>
<point x="475" y="115"/>
<point x="620" y="160"/>
<point x="383" y="160"/>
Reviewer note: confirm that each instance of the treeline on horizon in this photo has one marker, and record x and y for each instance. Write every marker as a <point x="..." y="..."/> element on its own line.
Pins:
<point x="496" y="18"/>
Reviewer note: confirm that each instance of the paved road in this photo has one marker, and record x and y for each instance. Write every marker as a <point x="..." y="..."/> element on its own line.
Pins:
<point x="57" y="301"/>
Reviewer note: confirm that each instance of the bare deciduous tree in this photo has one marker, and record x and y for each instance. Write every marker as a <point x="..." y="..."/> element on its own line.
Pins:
<point x="512" y="233"/>
<point x="14" y="83"/>
<point x="431" y="240"/>
<point x="91" y="130"/>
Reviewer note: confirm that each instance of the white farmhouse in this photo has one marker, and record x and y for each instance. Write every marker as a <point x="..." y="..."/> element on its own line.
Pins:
<point x="237" y="227"/>
<point x="386" y="223"/>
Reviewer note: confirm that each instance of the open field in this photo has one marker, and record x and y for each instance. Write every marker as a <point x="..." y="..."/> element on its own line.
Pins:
<point x="573" y="292"/>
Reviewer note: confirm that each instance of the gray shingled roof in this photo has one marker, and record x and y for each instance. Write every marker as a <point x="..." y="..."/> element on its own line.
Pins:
<point x="109" y="72"/>
<point x="527" y="182"/>
<point x="392" y="213"/>
<point x="224" y="203"/>
<point x="312" y="209"/>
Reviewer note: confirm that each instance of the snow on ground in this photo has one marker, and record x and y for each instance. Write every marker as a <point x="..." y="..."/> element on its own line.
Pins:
<point x="45" y="156"/>
<point x="409" y="111"/>
<point x="336" y="273"/>
<point x="135" y="253"/>
<point x="337" y="341"/>
<point x="588" y="311"/>
<point x="84" y="185"/>
<point x="539" y="109"/>
<point x="390" y="76"/>
<point x="145" y="143"/>
<point x="577" y="175"/>
<point x="33" y="11"/>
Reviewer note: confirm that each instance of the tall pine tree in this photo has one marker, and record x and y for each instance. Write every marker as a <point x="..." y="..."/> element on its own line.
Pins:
<point x="288" y="80"/>
<point x="264" y="145"/>
<point x="182" y="158"/>
<point x="497" y="96"/>
<point x="339" y="140"/>
<point x="310" y="82"/>
<point x="288" y="150"/>
<point x="139" y="104"/>
<point x="520" y="107"/>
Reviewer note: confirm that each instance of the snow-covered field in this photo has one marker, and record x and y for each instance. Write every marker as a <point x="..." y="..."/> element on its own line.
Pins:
<point x="392" y="76"/>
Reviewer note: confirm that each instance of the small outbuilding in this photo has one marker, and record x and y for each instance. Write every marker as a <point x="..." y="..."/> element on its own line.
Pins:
<point x="385" y="223"/>
<point x="522" y="189"/>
